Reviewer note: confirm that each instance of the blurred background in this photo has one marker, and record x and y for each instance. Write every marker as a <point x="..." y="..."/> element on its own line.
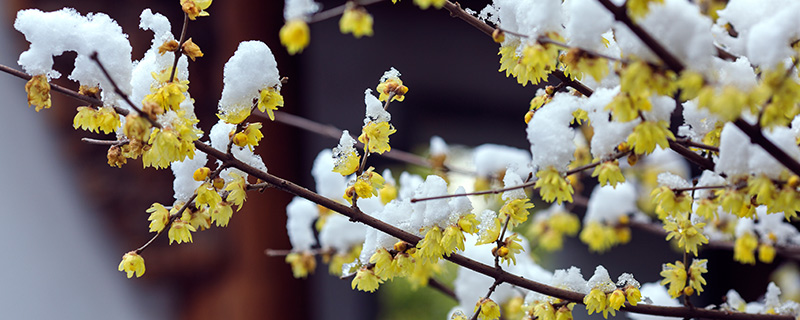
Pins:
<point x="68" y="217"/>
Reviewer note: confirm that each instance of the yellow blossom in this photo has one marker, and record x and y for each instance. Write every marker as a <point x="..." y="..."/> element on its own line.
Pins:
<point x="382" y="260"/>
<point x="577" y="62"/>
<point x="356" y="20"/>
<point x="195" y="8"/>
<point x="553" y="186"/>
<point x="430" y="247"/>
<point x="347" y="162"/>
<point x="132" y="263"/>
<point x="616" y="299"/>
<point x="136" y="128"/>
<point x="468" y="223"/>
<point x="640" y="8"/>
<point x="766" y="253"/>
<point x="269" y="101"/>
<point x="366" y="280"/>
<point x="388" y="193"/>
<point x="38" y="90"/>
<point x="164" y="149"/>
<point x="689" y="235"/>
<point x="690" y="83"/>
<point x="763" y="189"/>
<point x="302" y="263"/>
<point x="489" y="310"/>
<point x="565" y="312"/>
<point x="452" y="240"/>
<point x="180" y="231"/>
<point x="237" y="193"/>
<point x="696" y="270"/>
<point x="170" y="95"/>
<point x="375" y="136"/>
<point x="159" y="217"/>
<point x="252" y="134"/>
<point x="598" y="237"/>
<point x="392" y="87"/>
<point x="221" y="214"/>
<point x="633" y="295"/>
<point x="744" y="248"/>
<point x="516" y="210"/>
<point x="115" y="157"/>
<point x="648" y="134"/>
<point x="511" y="246"/>
<point x="490" y="234"/>
<point x="596" y="302"/>
<point x="538" y="60"/>
<point x="675" y="276"/>
<point x="207" y="195"/>
<point x="295" y="35"/>
<point x="191" y="50"/>
<point x="199" y="219"/>
<point x="95" y="120"/>
<point x="424" y="4"/>
<point x="544" y="311"/>
<point x="608" y="173"/>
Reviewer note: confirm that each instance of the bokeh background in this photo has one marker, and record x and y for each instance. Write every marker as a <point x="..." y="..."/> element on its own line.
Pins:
<point x="67" y="217"/>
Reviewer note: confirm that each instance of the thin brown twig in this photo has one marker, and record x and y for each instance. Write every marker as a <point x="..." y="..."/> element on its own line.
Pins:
<point x="179" y="51"/>
<point x="337" y="11"/>
<point x="105" y="142"/>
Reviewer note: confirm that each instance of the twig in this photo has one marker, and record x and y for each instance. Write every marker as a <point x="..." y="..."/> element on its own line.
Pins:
<point x="689" y="143"/>
<point x="57" y="88"/>
<point x="118" y="91"/>
<point x="337" y="11"/>
<point x="704" y="163"/>
<point x="179" y="51"/>
<point x="335" y="133"/>
<point x="172" y="218"/>
<point x="754" y="132"/>
<point x="521" y="186"/>
<point x="105" y="142"/>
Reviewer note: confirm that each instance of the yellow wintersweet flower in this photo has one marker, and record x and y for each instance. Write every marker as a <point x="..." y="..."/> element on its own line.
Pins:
<point x="690" y="83"/>
<point x="221" y="214"/>
<point x="367" y="184"/>
<point x="452" y="240"/>
<point x="577" y="62"/>
<point x="598" y="237"/>
<point x="180" y="231"/>
<point x="648" y="134"/>
<point x="689" y="235"/>
<point x="136" y="128"/>
<point x="302" y="263"/>
<point x="159" y="217"/>
<point x="392" y="87"/>
<point x="489" y="310"/>
<point x="382" y="260"/>
<point x="207" y="195"/>
<point x="95" y="120"/>
<point x="237" y="193"/>
<point x="511" y="246"/>
<point x="424" y="4"/>
<point x="696" y="270"/>
<point x="565" y="312"/>
<point x="616" y="299"/>
<point x="490" y="234"/>
<point x="295" y="35"/>
<point x="170" y="95"/>
<point x="544" y="311"/>
<point x="199" y="219"/>
<point x="633" y="295"/>
<point x="640" y="8"/>
<point x="388" y="193"/>
<point x="766" y="253"/>
<point x="538" y="60"/>
<point x="727" y="103"/>
<point x="164" y="149"/>
<point x="168" y="46"/>
<point x="191" y="49"/>
<point x="744" y="248"/>
<point x="553" y="186"/>
<point x="468" y="223"/>
<point x="763" y="189"/>
<point x="516" y="210"/>
<point x="38" y="90"/>
<point x="195" y="8"/>
<point x="269" y="101"/>
<point x="366" y="280"/>
<point x="356" y="20"/>
<point x="430" y="248"/>
<point x="675" y="276"/>
<point x="347" y="163"/>
<point x="608" y="173"/>
<point x="596" y="302"/>
<point x="639" y="79"/>
<point x="375" y="136"/>
<point x="132" y="263"/>
<point x="250" y="136"/>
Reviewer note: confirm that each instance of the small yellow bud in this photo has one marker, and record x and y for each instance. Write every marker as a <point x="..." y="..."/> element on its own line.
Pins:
<point x="793" y="181"/>
<point x="688" y="291"/>
<point x="201" y="174"/>
<point x="528" y="116"/>
<point x="218" y="183"/>
<point x="623" y="147"/>
<point x="498" y="36"/>
<point x="632" y="159"/>
<point x="240" y="139"/>
<point x="401" y="246"/>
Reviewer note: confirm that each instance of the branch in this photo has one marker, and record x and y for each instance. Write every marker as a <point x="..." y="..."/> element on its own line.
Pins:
<point x="336" y="133"/>
<point x="621" y="15"/>
<point x="337" y="11"/>
<point x="703" y="163"/>
<point x="757" y="137"/>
